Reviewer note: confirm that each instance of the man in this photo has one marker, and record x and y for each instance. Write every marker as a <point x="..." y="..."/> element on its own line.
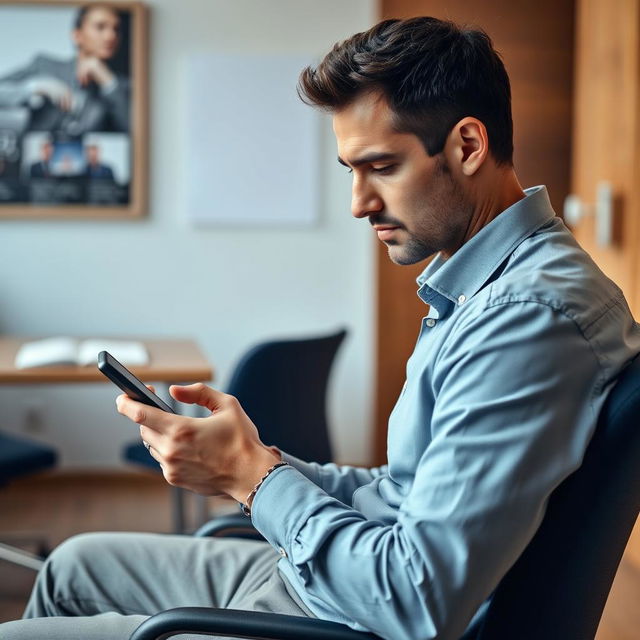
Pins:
<point x="491" y="418"/>
<point x="77" y="95"/>
<point x="95" y="169"/>
<point x="42" y="168"/>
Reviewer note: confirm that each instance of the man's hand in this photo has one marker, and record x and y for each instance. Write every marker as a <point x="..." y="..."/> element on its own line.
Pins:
<point x="93" y="69"/>
<point x="221" y="453"/>
<point x="57" y="91"/>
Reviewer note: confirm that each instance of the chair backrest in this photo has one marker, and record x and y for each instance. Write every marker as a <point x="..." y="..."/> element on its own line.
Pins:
<point x="282" y="386"/>
<point x="559" y="586"/>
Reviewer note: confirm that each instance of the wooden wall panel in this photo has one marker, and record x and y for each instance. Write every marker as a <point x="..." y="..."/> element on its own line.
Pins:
<point x="536" y="43"/>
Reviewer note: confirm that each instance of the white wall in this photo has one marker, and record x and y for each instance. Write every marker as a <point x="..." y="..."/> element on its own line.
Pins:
<point x="227" y="288"/>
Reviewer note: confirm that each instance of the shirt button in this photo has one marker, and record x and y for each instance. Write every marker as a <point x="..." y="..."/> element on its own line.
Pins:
<point x="282" y="552"/>
<point x="461" y="299"/>
<point x="431" y="322"/>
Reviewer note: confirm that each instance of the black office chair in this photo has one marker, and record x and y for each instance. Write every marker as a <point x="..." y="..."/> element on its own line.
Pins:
<point x="555" y="591"/>
<point x="282" y="386"/>
<point x="20" y="457"/>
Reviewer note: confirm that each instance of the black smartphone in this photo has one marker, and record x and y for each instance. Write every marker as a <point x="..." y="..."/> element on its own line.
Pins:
<point x="123" y="378"/>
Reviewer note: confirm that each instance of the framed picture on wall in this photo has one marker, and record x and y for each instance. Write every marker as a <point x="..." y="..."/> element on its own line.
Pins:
<point x="73" y="109"/>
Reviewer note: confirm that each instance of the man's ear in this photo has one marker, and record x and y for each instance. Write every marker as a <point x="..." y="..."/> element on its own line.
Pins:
<point x="468" y="145"/>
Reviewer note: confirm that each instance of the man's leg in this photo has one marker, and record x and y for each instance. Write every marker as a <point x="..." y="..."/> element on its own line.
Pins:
<point x="103" y="585"/>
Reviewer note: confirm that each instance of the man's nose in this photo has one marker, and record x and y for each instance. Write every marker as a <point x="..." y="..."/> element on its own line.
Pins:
<point x="364" y="199"/>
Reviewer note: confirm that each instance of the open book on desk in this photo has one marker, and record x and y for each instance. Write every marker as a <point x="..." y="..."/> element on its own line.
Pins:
<point x="70" y="351"/>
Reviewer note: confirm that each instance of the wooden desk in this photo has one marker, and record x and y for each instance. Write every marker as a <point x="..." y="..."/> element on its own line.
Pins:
<point x="170" y="361"/>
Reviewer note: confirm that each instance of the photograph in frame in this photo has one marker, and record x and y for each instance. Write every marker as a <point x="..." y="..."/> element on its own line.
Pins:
<point x="72" y="109"/>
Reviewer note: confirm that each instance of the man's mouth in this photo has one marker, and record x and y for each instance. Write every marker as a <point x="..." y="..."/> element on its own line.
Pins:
<point x="385" y="231"/>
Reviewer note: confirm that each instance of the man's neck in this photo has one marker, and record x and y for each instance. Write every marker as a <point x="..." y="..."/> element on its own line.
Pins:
<point x="494" y="197"/>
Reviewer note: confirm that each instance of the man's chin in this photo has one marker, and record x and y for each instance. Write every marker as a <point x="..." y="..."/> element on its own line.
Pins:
<point x="403" y="257"/>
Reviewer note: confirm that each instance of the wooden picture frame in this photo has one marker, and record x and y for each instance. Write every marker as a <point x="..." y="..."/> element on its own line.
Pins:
<point x="73" y="109"/>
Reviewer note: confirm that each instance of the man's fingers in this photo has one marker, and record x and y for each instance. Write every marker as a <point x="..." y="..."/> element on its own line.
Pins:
<point x="156" y="419"/>
<point x="199" y="394"/>
<point x="152" y="440"/>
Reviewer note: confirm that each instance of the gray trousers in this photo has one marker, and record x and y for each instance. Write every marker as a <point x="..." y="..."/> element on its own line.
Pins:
<point x="101" y="586"/>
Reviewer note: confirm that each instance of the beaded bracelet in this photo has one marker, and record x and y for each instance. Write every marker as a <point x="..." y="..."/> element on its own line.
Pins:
<point x="246" y="508"/>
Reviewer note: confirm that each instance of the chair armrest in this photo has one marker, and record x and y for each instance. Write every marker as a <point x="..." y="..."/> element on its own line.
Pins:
<point x="242" y="624"/>
<point x="235" y="525"/>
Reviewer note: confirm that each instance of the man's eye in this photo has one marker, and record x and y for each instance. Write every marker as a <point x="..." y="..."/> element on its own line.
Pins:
<point x="384" y="170"/>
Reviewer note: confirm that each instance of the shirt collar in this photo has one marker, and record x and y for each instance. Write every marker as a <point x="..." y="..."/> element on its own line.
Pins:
<point x="456" y="280"/>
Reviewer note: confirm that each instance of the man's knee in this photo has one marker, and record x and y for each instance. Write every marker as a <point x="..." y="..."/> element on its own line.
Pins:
<point x="78" y="553"/>
<point x="78" y="548"/>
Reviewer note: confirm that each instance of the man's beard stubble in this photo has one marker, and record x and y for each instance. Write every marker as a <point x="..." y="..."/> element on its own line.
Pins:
<point x="448" y="210"/>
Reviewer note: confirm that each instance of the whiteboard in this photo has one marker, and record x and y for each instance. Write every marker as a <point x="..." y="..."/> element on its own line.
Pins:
<point x="252" y="151"/>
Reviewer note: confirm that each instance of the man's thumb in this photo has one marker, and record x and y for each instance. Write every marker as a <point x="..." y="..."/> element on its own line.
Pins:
<point x="197" y="393"/>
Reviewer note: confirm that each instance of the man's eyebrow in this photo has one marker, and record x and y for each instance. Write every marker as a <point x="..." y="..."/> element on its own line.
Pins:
<point x="369" y="158"/>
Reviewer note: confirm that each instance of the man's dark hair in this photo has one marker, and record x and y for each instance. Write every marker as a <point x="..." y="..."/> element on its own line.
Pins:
<point x="84" y="10"/>
<point x="432" y="73"/>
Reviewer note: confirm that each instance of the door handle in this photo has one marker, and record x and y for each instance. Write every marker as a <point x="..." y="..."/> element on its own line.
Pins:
<point x="575" y="210"/>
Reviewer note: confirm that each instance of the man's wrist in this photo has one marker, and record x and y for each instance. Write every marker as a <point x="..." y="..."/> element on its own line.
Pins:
<point x="252" y="471"/>
<point x="276" y="452"/>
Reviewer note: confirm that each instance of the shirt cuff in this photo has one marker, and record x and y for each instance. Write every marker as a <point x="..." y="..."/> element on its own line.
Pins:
<point x="282" y="506"/>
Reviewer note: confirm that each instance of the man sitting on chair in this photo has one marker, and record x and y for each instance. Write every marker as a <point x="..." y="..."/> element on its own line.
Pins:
<point x="522" y="340"/>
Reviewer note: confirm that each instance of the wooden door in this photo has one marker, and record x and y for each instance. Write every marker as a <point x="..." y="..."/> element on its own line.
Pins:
<point x="606" y="131"/>
<point x="536" y="44"/>
<point x="606" y="142"/>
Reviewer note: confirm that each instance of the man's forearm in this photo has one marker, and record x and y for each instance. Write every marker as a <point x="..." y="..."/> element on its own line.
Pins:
<point x="339" y="481"/>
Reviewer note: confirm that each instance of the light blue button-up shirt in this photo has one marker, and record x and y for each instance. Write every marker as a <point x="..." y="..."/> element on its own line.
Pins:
<point x="523" y="340"/>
